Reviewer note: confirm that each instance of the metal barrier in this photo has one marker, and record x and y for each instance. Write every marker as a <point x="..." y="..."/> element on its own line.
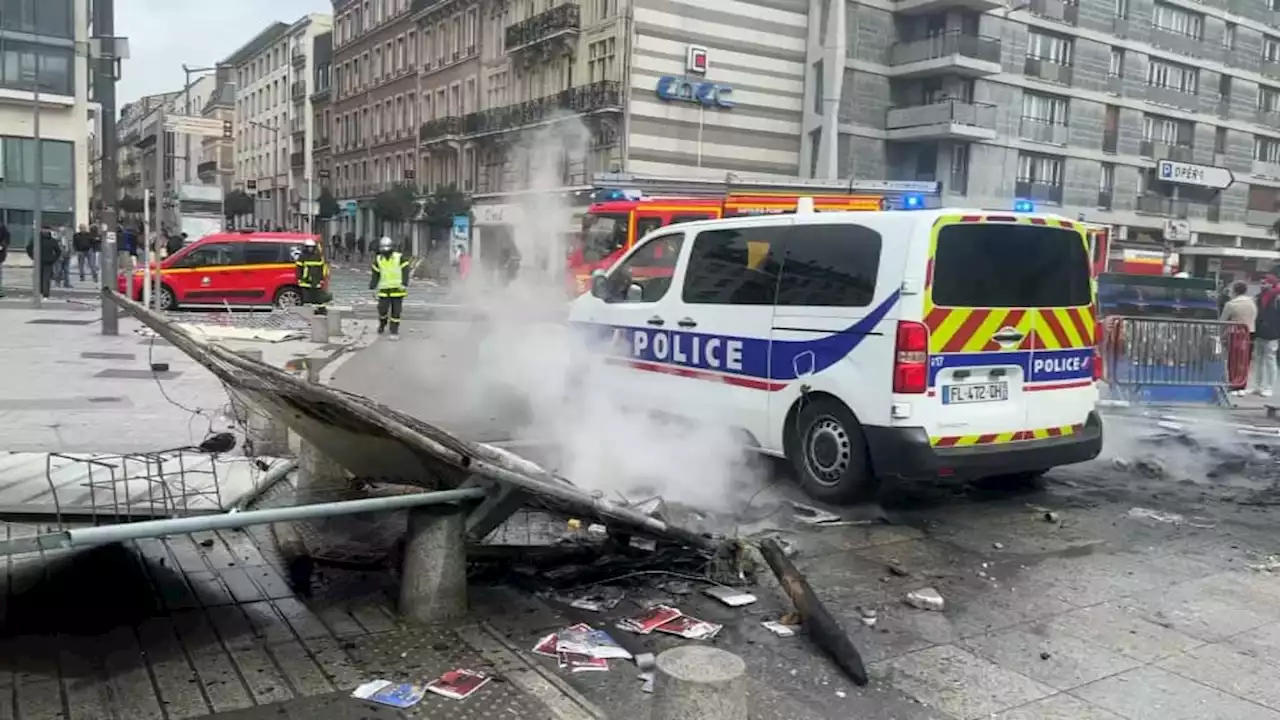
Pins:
<point x="1169" y="360"/>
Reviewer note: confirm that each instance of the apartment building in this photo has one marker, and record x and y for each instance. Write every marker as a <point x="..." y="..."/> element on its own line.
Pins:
<point x="134" y="118"/>
<point x="321" y="109"/>
<point x="40" y="39"/>
<point x="303" y="183"/>
<point x="217" y="154"/>
<point x="1159" y="118"/>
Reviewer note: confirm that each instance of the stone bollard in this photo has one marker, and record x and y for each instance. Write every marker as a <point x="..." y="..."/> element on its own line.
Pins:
<point x="319" y="329"/>
<point x="335" y="321"/>
<point x="697" y="682"/>
<point x="433" y="574"/>
<point x="320" y="479"/>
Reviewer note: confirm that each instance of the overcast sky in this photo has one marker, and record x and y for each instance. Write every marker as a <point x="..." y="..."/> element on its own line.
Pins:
<point x="164" y="34"/>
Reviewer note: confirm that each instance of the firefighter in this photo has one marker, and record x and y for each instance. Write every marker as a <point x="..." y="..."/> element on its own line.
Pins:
<point x="390" y="278"/>
<point x="311" y="272"/>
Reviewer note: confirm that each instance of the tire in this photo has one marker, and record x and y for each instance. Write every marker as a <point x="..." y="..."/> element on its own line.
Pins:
<point x="287" y="297"/>
<point x="167" y="300"/>
<point x="828" y="452"/>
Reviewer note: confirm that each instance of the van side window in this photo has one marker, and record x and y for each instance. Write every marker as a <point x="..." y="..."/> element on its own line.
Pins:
<point x="734" y="267"/>
<point x="650" y="269"/>
<point x="260" y="253"/>
<point x="644" y="226"/>
<point x="830" y="265"/>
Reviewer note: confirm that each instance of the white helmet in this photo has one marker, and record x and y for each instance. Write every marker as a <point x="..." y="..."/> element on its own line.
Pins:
<point x="385" y="243"/>
<point x="309" y="242"/>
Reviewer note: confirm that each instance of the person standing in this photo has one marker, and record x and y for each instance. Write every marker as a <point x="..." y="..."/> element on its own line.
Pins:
<point x="82" y="243"/>
<point x="62" y="270"/>
<point x="4" y="253"/>
<point x="311" y="271"/>
<point x="1266" y="338"/>
<point x="95" y="248"/>
<point x="1242" y="310"/>
<point x="391" y="279"/>
<point x="50" y="251"/>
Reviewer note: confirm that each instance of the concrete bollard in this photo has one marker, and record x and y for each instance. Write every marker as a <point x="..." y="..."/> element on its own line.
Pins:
<point x="335" y="322"/>
<point x="320" y="479"/>
<point x="698" y="682"/>
<point x="319" y="329"/>
<point x="433" y="575"/>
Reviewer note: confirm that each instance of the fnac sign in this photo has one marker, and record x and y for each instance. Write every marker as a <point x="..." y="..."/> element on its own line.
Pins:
<point x="699" y="92"/>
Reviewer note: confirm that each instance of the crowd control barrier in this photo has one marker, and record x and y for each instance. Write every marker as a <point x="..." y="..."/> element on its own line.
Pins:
<point x="1170" y="360"/>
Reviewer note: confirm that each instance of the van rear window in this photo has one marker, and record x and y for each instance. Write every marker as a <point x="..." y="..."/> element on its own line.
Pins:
<point x="996" y="265"/>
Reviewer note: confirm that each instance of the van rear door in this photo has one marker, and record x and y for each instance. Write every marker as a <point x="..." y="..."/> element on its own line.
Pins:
<point x="1026" y="283"/>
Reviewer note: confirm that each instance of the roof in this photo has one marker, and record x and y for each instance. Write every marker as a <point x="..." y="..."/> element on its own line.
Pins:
<point x="270" y="34"/>
<point x="249" y="235"/>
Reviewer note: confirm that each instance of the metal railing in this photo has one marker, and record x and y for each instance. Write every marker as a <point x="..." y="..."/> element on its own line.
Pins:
<point x="1166" y="151"/>
<point x="1063" y="12"/>
<point x="1169" y="359"/>
<point x="1048" y="70"/>
<point x="1038" y="191"/>
<point x="297" y="160"/>
<point x="976" y="47"/>
<point x="1038" y="130"/>
<point x="441" y="128"/>
<point x="1160" y="205"/>
<point x="981" y="115"/>
<point x="560" y="19"/>
<point x="207" y="167"/>
<point x="586" y="98"/>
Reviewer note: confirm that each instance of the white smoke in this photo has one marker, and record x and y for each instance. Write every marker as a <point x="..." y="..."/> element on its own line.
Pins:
<point x="605" y="435"/>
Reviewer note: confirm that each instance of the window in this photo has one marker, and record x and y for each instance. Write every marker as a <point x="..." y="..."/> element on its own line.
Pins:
<point x="644" y="226"/>
<point x="1266" y="150"/>
<point x="600" y="59"/>
<point x="830" y="265"/>
<point x="1229" y="37"/>
<point x="267" y="253"/>
<point x="649" y="269"/>
<point x="1122" y="9"/>
<point x="1044" y="109"/>
<point x="211" y="255"/>
<point x="1040" y="169"/>
<point x="734" y="267"/>
<point x="38" y="17"/>
<point x="998" y="265"/>
<point x="19" y="71"/>
<point x="1177" y="20"/>
<point x="1166" y="130"/>
<point x="20" y="162"/>
<point x="1164" y="74"/>
<point x="1268" y="99"/>
<point x="1270" y="49"/>
<point x="1117" y="62"/>
<point x="1107" y="180"/>
<point x="1220" y="140"/>
<point x="1050" y="48"/>
<point x="58" y="161"/>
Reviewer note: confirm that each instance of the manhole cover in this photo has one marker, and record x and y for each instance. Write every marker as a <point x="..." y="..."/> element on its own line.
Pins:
<point x="58" y="321"/>
<point x="107" y="356"/>
<point x="123" y="374"/>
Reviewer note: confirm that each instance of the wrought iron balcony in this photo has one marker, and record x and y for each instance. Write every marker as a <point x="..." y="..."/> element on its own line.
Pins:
<point x="298" y="57"/>
<point x="559" y="20"/>
<point x="297" y="160"/>
<point x="602" y="95"/>
<point x="207" y="167"/>
<point x="444" y="128"/>
<point x="298" y="90"/>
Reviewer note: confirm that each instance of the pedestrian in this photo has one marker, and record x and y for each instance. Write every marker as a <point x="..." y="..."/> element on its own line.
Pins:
<point x="63" y="268"/>
<point x="50" y="251"/>
<point x="335" y="243"/>
<point x="360" y="248"/>
<point x="4" y="253"/>
<point x="311" y="272"/>
<point x="390" y="277"/>
<point x="95" y="248"/>
<point x="173" y="243"/>
<point x="350" y="242"/>
<point x="1240" y="309"/>
<point x="1266" y="337"/>
<point x="82" y="244"/>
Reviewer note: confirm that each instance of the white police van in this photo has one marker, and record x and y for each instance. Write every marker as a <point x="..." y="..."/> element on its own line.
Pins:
<point x="864" y="346"/>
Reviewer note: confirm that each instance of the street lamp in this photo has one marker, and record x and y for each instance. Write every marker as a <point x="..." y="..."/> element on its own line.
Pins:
<point x="275" y="166"/>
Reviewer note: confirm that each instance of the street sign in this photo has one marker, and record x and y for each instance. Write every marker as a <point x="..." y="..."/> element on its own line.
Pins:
<point x="1217" y="178"/>
<point x="1177" y="231"/>
<point x="189" y="125"/>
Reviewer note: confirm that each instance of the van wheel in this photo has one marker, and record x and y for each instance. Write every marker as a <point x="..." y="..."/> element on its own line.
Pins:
<point x="166" y="299"/>
<point x="829" y="453"/>
<point x="288" y="298"/>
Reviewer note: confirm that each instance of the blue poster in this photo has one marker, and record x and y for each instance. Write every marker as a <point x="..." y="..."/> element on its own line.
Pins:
<point x="460" y="238"/>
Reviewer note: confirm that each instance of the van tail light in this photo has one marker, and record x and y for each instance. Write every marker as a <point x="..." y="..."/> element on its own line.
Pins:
<point x="1097" y="351"/>
<point x="911" y="358"/>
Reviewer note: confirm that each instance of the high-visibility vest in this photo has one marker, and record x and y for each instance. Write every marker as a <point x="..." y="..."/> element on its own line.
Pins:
<point x="390" y="272"/>
<point x="309" y="277"/>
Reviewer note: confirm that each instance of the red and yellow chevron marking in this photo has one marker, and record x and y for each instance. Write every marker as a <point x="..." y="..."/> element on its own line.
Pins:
<point x="956" y="330"/>
<point x="1002" y="438"/>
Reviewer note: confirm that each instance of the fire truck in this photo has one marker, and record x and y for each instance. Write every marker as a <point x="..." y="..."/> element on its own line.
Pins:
<point x="617" y="218"/>
<point x="1099" y="246"/>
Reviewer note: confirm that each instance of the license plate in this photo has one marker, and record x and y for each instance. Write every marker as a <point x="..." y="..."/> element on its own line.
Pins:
<point x="974" y="393"/>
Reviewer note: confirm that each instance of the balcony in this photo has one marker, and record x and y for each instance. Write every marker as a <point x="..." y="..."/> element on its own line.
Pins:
<point x="1048" y="71"/>
<point x="952" y="53"/>
<point x="1160" y="205"/>
<point x="1037" y="130"/>
<point x="1038" y="192"/>
<point x="1267" y="118"/>
<point x="441" y="130"/>
<point x="605" y="95"/>
<point x="321" y="94"/>
<point x="1067" y="13"/>
<point x="298" y="57"/>
<point x="947" y="120"/>
<point x="1110" y="141"/>
<point x="923" y="7"/>
<point x="1270" y="68"/>
<point x="298" y="90"/>
<point x="298" y="129"/>
<point x="297" y="160"/>
<point x="209" y="167"/>
<point x="1261" y="218"/>
<point x="560" y="22"/>
<point x="1172" y="98"/>
<point x="1180" y="152"/>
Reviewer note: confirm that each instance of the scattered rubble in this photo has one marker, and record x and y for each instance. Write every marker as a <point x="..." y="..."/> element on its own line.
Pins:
<point x="778" y="628"/>
<point x="1139" y="513"/>
<point x="810" y="515"/>
<point x="386" y="692"/>
<point x="926" y="599"/>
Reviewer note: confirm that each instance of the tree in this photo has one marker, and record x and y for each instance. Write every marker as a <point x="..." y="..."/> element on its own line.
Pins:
<point x="443" y="204"/>
<point x="237" y="203"/>
<point x="328" y="206"/>
<point x="395" y="204"/>
<point x="131" y="204"/>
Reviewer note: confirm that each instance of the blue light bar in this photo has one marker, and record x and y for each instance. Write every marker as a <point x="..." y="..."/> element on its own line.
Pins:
<point x="1023" y="206"/>
<point x="912" y="201"/>
<point x="607" y="194"/>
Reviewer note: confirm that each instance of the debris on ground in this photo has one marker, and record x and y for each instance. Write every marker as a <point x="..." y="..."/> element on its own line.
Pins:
<point x="733" y="597"/>
<point x="598" y="600"/>
<point x="810" y="515"/>
<point x="1140" y="513"/>
<point x="868" y="615"/>
<point x="645" y="662"/>
<point x="778" y="628"/>
<point x="458" y="684"/>
<point x="690" y="628"/>
<point x="895" y="568"/>
<point x="926" y="599"/>
<point x="1270" y="564"/>
<point x="386" y="692"/>
<point x="650" y="619"/>
<point x="677" y="587"/>
<point x="582" y="639"/>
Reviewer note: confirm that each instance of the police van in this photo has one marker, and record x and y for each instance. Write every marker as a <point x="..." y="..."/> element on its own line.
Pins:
<point x="864" y="346"/>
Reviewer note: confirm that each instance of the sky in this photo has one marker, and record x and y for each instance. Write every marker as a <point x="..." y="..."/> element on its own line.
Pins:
<point x="164" y="34"/>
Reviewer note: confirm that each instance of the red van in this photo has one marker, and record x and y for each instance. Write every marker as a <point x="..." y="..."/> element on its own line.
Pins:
<point x="236" y="268"/>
